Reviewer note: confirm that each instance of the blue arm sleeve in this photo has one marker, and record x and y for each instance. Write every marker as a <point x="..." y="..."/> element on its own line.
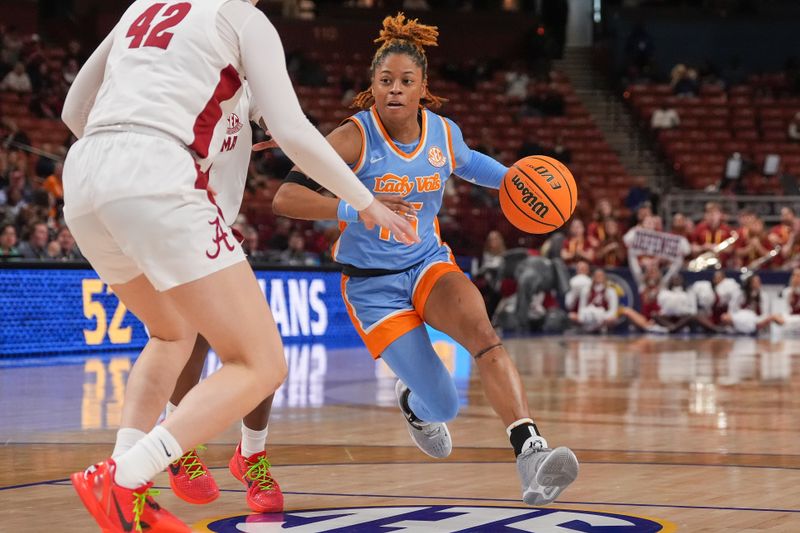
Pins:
<point x="474" y="166"/>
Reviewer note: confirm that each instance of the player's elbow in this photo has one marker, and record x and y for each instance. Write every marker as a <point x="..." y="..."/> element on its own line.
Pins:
<point x="282" y="201"/>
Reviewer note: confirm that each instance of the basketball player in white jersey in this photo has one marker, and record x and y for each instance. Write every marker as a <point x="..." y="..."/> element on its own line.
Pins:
<point x="146" y="108"/>
<point x="189" y="477"/>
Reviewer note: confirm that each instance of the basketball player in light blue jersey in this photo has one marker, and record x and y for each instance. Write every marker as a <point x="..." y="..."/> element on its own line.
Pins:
<point x="404" y="154"/>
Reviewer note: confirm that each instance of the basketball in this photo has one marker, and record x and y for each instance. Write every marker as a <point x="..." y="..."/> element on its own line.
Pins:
<point x="538" y="194"/>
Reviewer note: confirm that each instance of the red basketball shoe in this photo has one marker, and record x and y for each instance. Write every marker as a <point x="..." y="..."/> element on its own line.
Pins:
<point x="190" y="479"/>
<point x="263" y="492"/>
<point x="121" y="510"/>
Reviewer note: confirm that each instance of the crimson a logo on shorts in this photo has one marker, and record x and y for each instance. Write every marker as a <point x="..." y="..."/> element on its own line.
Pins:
<point x="234" y="124"/>
<point x="438" y="518"/>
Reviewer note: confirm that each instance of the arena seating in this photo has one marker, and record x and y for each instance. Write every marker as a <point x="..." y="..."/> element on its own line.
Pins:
<point x="718" y="123"/>
<point x="483" y="111"/>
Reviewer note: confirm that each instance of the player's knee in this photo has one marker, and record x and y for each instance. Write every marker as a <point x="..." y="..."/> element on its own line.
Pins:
<point x="445" y="406"/>
<point x="272" y="371"/>
<point x="484" y="336"/>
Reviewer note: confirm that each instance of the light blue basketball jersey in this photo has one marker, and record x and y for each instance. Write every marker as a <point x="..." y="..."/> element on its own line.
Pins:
<point x="419" y="176"/>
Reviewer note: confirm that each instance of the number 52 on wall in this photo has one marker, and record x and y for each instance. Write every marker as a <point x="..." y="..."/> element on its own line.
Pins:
<point x="94" y="310"/>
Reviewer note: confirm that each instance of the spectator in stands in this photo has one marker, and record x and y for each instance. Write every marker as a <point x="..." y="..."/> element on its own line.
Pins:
<point x="664" y="118"/>
<point x="793" y="131"/>
<point x="8" y="241"/>
<point x="12" y="46"/>
<point x="711" y="231"/>
<point x="748" y="313"/>
<point x="752" y="246"/>
<point x="329" y="236"/>
<point x="17" y="80"/>
<point x="296" y="254"/>
<point x="713" y="307"/>
<point x="682" y="225"/>
<point x="349" y="84"/>
<point x="69" y="249"/>
<point x="576" y="246"/>
<point x="639" y="48"/>
<point x="75" y="52"/>
<point x="250" y="244"/>
<point x="280" y="234"/>
<point x="17" y="182"/>
<point x="640" y="213"/>
<point x="790" y="252"/>
<point x="779" y="235"/>
<point x="598" y="305"/>
<point x="791" y="299"/>
<point x="649" y="287"/>
<point x="53" y="183"/>
<point x="36" y="245"/>
<point x="677" y="306"/>
<point x="53" y="250"/>
<point x="596" y="230"/>
<point x="36" y="63"/>
<point x="577" y="283"/>
<point x="611" y="250"/>
<point x="684" y="82"/>
<point x="517" y="81"/>
<point x="488" y="274"/>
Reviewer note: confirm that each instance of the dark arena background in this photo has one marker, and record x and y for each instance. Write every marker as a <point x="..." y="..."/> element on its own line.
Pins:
<point x="656" y="332"/>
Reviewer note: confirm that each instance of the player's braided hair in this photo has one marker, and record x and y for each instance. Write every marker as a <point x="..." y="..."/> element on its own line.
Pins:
<point x="402" y="36"/>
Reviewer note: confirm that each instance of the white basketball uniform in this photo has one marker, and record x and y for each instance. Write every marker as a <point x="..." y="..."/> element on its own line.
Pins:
<point x="228" y="174"/>
<point x="135" y="186"/>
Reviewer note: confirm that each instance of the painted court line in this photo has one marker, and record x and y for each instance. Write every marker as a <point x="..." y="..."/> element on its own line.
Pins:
<point x="504" y="500"/>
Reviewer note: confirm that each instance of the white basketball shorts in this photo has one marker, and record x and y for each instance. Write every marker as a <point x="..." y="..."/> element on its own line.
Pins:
<point x="136" y="203"/>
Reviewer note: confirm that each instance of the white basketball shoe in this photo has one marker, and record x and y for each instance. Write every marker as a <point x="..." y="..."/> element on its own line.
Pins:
<point x="545" y="473"/>
<point x="432" y="438"/>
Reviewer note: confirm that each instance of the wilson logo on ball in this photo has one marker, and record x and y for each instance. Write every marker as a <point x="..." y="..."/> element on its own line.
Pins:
<point x="529" y="198"/>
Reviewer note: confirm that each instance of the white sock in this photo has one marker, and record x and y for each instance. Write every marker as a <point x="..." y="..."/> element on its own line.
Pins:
<point x="152" y="454"/>
<point x="170" y="409"/>
<point x="126" y="438"/>
<point x="253" y="441"/>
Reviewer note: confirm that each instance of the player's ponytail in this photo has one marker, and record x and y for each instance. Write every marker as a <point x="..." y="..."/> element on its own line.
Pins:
<point x="403" y="36"/>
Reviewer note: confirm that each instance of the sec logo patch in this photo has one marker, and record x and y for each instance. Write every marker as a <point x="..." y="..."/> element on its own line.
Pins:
<point x="438" y="518"/>
<point x="436" y="157"/>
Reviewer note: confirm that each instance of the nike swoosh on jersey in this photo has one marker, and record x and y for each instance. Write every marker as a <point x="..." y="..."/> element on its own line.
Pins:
<point x="376" y="159"/>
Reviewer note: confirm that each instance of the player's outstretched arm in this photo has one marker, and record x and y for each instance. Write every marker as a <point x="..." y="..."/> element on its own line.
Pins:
<point x="472" y="165"/>
<point x="83" y="91"/>
<point x="300" y="197"/>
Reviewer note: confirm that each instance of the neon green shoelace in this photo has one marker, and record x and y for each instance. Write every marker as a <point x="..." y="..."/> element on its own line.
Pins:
<point x="191" y="462"/>
<point x="139" y="500"/>
<point x="259" y="472"/>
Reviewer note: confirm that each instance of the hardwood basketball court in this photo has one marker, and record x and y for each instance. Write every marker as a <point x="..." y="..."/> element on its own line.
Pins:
<point x="690" y="434"/>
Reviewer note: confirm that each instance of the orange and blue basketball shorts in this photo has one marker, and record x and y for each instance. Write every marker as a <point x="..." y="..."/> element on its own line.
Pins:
<point x="384" y="308"/>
